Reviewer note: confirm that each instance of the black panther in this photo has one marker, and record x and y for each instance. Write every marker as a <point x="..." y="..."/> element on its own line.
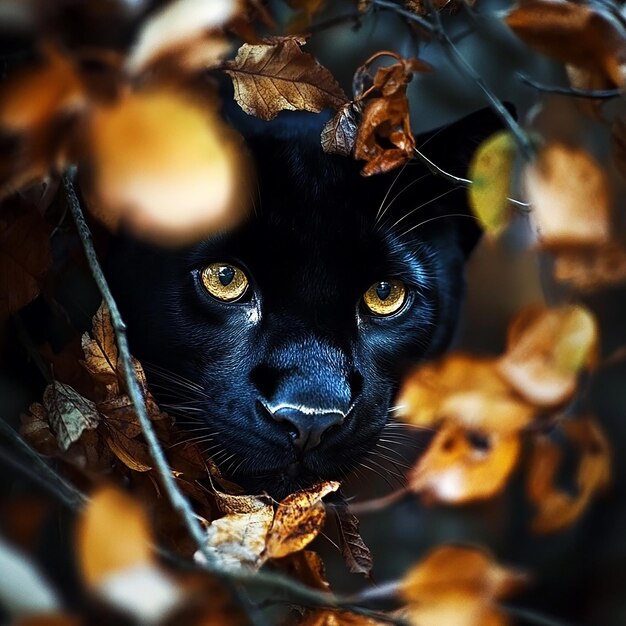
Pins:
<point x="280" y="344"/>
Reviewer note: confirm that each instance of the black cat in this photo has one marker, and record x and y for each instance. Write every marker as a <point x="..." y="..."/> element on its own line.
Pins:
<point x="280" y="344"/>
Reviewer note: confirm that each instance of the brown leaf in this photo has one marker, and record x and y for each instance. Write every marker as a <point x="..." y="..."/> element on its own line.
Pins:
<point x="384" y="139"/>
<point x="466" y="391"/>
<point x="133" y="453"/>
<point x="591" y="269"/>
<point x="272" y="77"/>
<point x="49" y="619"/>
<point x="454" y="6"/>
<point x="462" y="466"/>
<point x="339" y="133"/>
<point x="101" y="357"/>
<point x="69" y="413"/>
<point x="356" y="554"/>
<point x="24" y="257"/>
<point x="547" y="350"/>
<point x="556" y="509"/>
<point x="307" y="567"/>
<point x="458" y="586"/>
<point x="35" y="429"/>
<point x="587" y="36"/>
<point x="570" y="197"/>
<point x="180" y="28"/>
<point x="144" y="168"/>
<point x="36" y="107"/>
<point x="589" y="81"/>
<point x="298" y="520"/>
<point x="618" y="143"/>
<point x="337" y="618"/>
<point x="119" y="413"/>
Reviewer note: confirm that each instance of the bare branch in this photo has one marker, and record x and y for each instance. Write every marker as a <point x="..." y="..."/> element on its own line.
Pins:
<point x="574" y="92"/>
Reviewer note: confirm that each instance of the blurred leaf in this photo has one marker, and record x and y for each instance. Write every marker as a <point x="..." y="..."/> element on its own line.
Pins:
<point x="419" y="7"/>
<point x="181" y="29"/>
<point x="339" y="133"/>
<point x="570" y="198"/>
<point x="24" y="257"/>
<point x="457" y="586"/>
<point x="462" y="466"/>
<point x="35" y="429"/>
<point x="555" y="508"/>
<point x="464" y="390"/>
<point x="277" y="76"/>
<point x="587" y="36"/>
<point x="298" y="520"/>
<point x="490" y="171"/>
<point x="337" y="618"/>
<point x="618" y="143"/>
<point x="173" y="182"/>
<point x="69" y="413"/>
<point x="591" y="269"/>
<point x="547" y="349"/>
<point x="307" y="567"/>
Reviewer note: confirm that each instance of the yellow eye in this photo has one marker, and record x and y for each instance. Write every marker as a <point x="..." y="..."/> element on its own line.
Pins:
<point x="224" y="282"/>
<point x="385" y="297"/>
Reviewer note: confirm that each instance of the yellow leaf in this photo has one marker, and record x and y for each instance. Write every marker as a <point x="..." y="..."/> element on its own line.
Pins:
<point x="490" y="172"/>
<point x="298" y="520"/>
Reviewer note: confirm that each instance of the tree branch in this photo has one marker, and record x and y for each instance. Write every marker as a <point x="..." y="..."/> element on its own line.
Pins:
<point x="574" y="92"/>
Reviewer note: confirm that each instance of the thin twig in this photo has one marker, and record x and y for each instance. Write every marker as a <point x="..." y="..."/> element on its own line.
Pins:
<point x="39" y="471"/>
<point x="378" y="504"/>
<point x="574" y="92"/>
<point x="177" y="500"/>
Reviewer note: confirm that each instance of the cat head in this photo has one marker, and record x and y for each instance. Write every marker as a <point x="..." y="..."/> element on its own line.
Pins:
<point x="280" y="344"/>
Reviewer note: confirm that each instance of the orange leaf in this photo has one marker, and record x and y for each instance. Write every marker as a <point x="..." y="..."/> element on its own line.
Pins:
<point x="555" y="508"/>
<point x="461" y="466"/>
<point x="547" y="350"/>
<point x="591" y="269"/>
<point x="570" y="198"/>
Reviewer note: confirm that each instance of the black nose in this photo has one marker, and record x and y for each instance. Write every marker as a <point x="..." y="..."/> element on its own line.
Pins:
<point x="309" y="424"/>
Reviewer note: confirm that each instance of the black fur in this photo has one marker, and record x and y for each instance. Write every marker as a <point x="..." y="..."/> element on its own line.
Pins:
<point x="311" y="248"/>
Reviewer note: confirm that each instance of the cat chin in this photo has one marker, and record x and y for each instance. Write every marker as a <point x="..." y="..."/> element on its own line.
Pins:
<point x="279" y="485"/>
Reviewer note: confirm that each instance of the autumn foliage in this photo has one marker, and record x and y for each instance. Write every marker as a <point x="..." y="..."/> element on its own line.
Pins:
<point x="522" y="414"/>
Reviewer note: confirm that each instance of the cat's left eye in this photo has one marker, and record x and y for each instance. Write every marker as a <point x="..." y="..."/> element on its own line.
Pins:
<point x="385" y="297"/>
<point x="224" y="281"/>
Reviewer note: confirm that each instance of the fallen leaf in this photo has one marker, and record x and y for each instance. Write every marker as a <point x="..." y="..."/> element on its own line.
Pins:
<point x="490" y="171"/>
<point x="277" y="76"/>
<point x="307" y="567"/>
<point x="133" y="453"/>
<point x="338" y="618"/>
<point x="101" y="357"/>
<point x="355" y="553"/>
<point x="570" y="198"/>
<point x="69" y="413"/>
<point x="555" y="508"/>
<point x="547" y="350"/>
<point x="171" y="183"/>
<point x="458" y="586"/>
<point x="179" y="27"/>
<point x="298" y="520"/>
<point x="591" y="269"/>
<point x="464" y="390"/>
<point x="587" y="36"/>
<point x="461" y="466"/>
<point x="35" y="429"/>
<point x="24" y="257"/>
<point x="339" y="133"/>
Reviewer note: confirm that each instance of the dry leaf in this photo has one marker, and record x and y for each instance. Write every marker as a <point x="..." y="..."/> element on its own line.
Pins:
<point x="181" y="28"/>
<point x="35" y="429"/>
<point x="587" y="36"/>
<point x="384" y="139"/>
<point x="570" y="197"/>
<point x="591" y="269"/>
<point x="101" y="357"/>
<point x="174" y="182"/>
<point x="337" y="618"/>
<point x="463" y="390"/>
<point x="133" y="453"/>
<point x="490" y="171"/>
<point x="457" y="586"/>
<point x="238" y="539"/>
<point x="69" y="413"/>
<point x="454" y="6"/>
<point x="298" y="520"/>
<point x="462" y="466"/>
<point x="547" y="350"/>
<point x="555" y="508"/>
<point x="24" y="257"/>
<point x="277" y="76"/>
<point x="307" y="567"/>
<point x="339" y="133"/>
<point x="356" y="554"/>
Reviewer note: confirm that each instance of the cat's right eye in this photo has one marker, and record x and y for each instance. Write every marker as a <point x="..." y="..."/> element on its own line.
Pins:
<point x="224" y="281"/>
<point x="385" y="297"/>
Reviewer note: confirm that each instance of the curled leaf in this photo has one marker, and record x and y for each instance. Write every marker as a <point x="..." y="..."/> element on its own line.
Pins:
<point x="276" y="76"/>
<point x="339" y="133"/>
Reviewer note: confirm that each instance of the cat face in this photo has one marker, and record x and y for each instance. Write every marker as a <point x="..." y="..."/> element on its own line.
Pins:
<point x="280" y="344"/>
